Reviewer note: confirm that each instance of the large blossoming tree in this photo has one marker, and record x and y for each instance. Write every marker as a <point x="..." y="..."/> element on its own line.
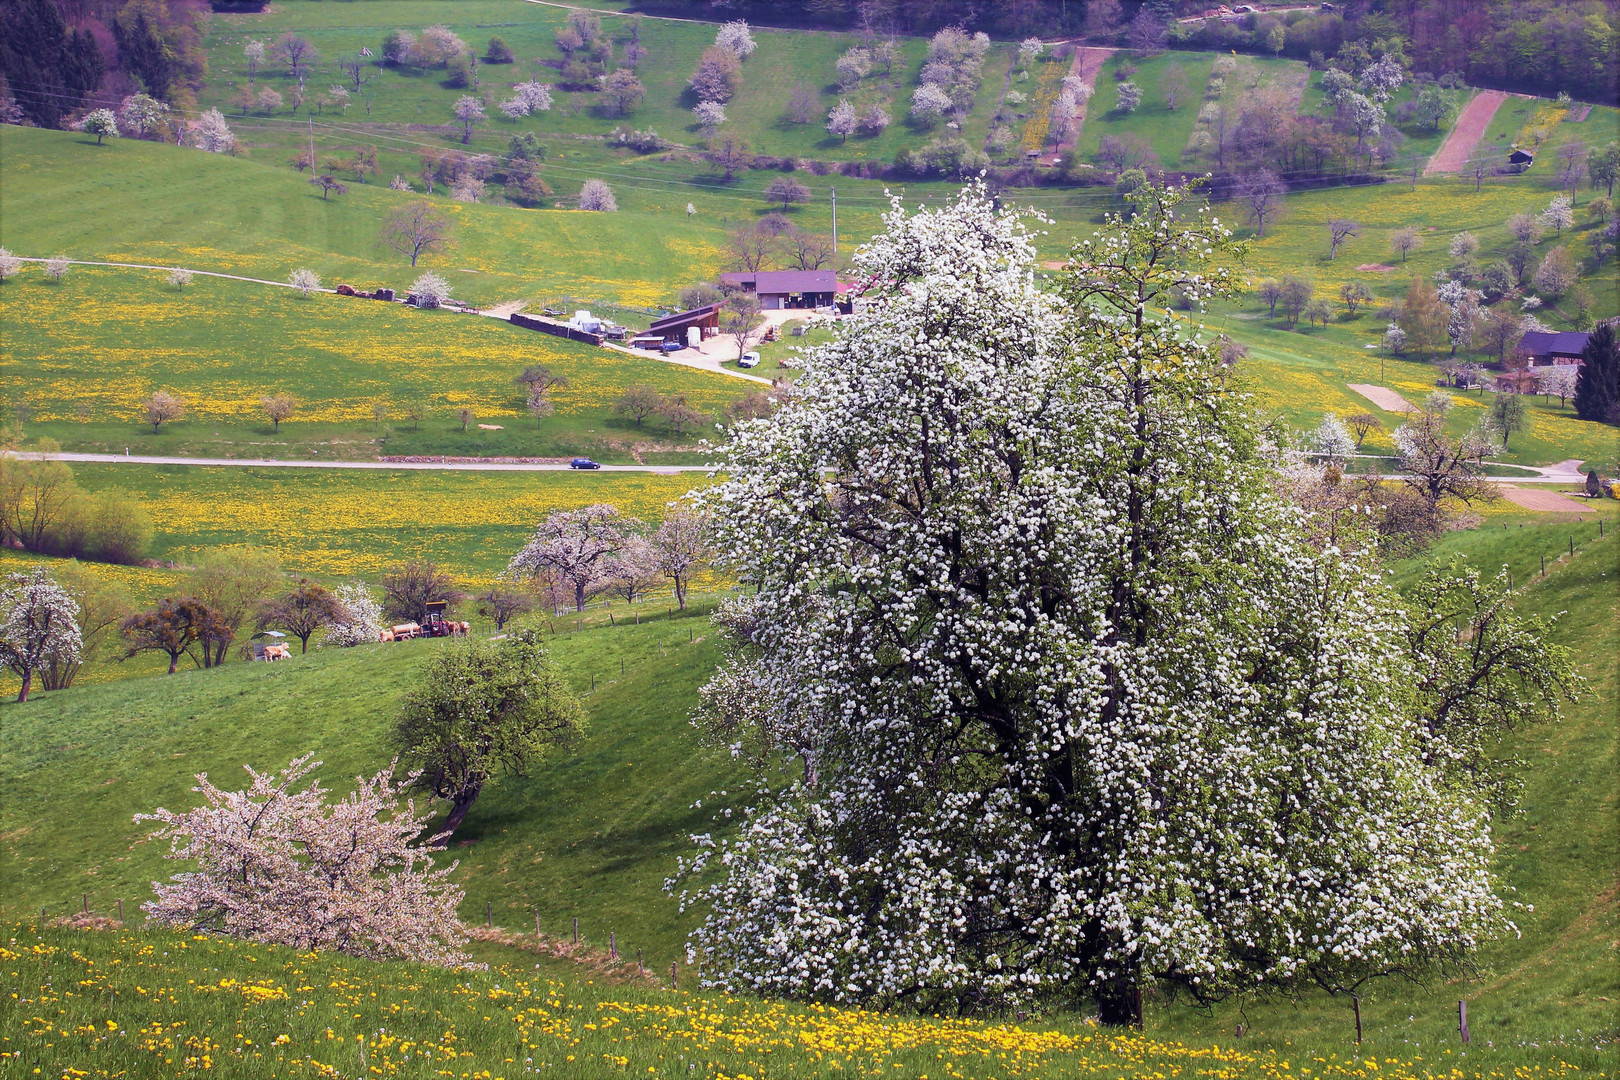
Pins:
<point x="1079" y="707"/>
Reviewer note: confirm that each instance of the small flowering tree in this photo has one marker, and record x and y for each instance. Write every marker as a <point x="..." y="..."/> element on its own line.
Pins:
<point x="1560" y="214"/>
<point x="1130" y="97"/>
<point x="430" y="290"/>
<point x="709" y="116"/>
<point x="1331" y="441"/>
<point x="359" y="617"/>
<point x="574" y="546"/>
<point x="841" y="120"/>
<point x="307" y="282"/>
<point x="100" y="123"/>
<point x="277" y="863"/>
<point x="981" y="533"/>
<point x="56" y="268"/>
<point x="929" y="103"/>
<point x="10" y="264"/>
<point x="212" y="133"/>
<point x="596" y="195"/>
<point x="527" y="97"/>
<point x="39" y="625"/>
<point x="179" y="277"/>
<point x="469" y="113"/>
<point x="1394" y="338"/>
<point x="681" y="547"/>
<point x="737" y="39"/>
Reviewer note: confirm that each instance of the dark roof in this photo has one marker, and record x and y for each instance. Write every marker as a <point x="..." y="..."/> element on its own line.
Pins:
<point x="1547" y="343"/>
<point x="684" y="318"/>
<point x="1520" y="157"/>
<point x="785" y="281"/>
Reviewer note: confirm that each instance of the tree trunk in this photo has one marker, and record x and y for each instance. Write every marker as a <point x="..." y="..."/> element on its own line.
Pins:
<point x="579" y="595"/>
<point x="1119" y="1002"/>
<point x="458" y="810"/>
<point x="174" y="661"/>
<point x="27" y="684"/>
<point x="680" y="594"/>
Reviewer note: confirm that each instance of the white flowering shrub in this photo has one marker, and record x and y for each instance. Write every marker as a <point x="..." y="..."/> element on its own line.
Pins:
<point x="737" y="39"/>
<point x="709" y="114"/>
<point x="527" y="97"/>
<point x="179" y="277"/>
<point x="279" y="864"/>
<point x="1079" y="708"/>
<point x="212" y="133"/>
<point x="596" y="195"/>
<point x="430" y="290"/>
<point x="1394" y="338"/>
<point x="359" y="620"/>
<point x="9" y="264"/>
<point x="306" y="281"/>
<point x="56" y="268"/>
<point x="929" y="102"/>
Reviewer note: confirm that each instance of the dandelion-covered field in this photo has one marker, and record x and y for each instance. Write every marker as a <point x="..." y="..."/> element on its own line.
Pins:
<point x="82" y="355"/>
<point x="122" y="1003"/>
<point x="360" y="522"/>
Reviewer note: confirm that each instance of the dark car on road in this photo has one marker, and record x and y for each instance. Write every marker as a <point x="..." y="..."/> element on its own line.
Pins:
<point x="671" y="346"/>
<point x="583" y="463"/>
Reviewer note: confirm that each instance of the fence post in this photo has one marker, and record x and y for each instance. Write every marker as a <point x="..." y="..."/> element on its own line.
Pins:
<point x="489" y="913"/>
<point x="1462" y="1020"/>
<point x="1356" y="1003"/>
<point x="576" y="929"/>
<point x="86" y="899"/>
<point x="674" y="974"/>
<point x="536" y="922"/>
<point x="639" y="969"/>
<point x="1572" y="543"/>
<point x="613" y="945"/>
<point x="1544" y="566"/>
<point x="120" y="910"/>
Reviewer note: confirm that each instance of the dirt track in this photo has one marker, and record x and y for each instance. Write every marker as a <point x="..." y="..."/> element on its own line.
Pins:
<point x="1465" y="133"/>
<point x="1383" y="397"/>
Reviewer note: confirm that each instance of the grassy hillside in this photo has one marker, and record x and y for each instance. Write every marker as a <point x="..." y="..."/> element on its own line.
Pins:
<point x="590" y="835"/>
<point x="594" y="835"/>
<point x="221" y="345"/>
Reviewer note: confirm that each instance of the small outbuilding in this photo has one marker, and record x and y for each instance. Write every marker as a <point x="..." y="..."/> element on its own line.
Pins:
<point x="1521" y="159"/>
<point x="678" y="327"/>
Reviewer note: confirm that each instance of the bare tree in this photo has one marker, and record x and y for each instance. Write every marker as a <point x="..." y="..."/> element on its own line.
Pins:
<point x="730" y="154"/>
<point x="739" y="318"/>
<point x="808" y="251"/>
<point x="302" y="611"/>
<point x="638" y="403"/>
<point x="1354" y="294"/>
<point x="1363" y="423"/>
<point x="752" y="248"/>
<point x="1404" y="241"/>
<point x="1174" y="84"/>
<point x="787" y="191"/>
<point x="633" y="572"/>
<point x="1262" y="194"/>
<point x="298" y="52"/>
<point x="682" y="415"/>
<point x="801" y="105"/>
<point x="502" y="605"/>
<point x="539" y="381"/>
<point x="1438" y="466"/>
<point x="1340" y="230"/>
<point x="409" y="589"/>
<point x="162" y="407"/>
<point x="416" y="229"/>
<point x="1270" y="292"/>
<point x="173" y="628"/>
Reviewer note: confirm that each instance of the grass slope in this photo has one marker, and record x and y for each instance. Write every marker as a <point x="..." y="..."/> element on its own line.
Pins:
<point x="593" y="835"/>
<point x="590" y="835"/>
<point x="221" y="345"/>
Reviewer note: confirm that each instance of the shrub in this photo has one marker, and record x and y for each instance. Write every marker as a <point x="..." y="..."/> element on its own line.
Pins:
<point x="596" y="195"/>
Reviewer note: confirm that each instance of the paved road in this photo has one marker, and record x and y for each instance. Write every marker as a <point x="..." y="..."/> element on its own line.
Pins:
<point x="273" y="463"/>
<point x="1565" y="472"/>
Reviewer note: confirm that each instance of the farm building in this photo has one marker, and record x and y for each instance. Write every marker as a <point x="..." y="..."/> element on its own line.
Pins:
<point x="1546" y="347"/>
<point x="778" y="289"/>
<point x="678" y="327"/>
<point x="1521" y="159"/>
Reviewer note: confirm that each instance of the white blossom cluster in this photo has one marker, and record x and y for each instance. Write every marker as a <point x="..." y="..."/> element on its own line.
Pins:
<point x="527" y="97"/>
<point x="1079" y="707"/>
<point x="39" y="625"/>
<point x="276" y="863"/>
<point x="360" y="617"/>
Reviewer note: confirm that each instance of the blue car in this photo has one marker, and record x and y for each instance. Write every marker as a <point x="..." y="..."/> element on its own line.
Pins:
<point x="671" y="346"/>
<point x="583" y="463"/>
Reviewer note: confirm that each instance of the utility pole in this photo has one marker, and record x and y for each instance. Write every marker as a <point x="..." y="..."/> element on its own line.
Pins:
<point x="835" y="220"/>
<point x="311" y="145"/>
